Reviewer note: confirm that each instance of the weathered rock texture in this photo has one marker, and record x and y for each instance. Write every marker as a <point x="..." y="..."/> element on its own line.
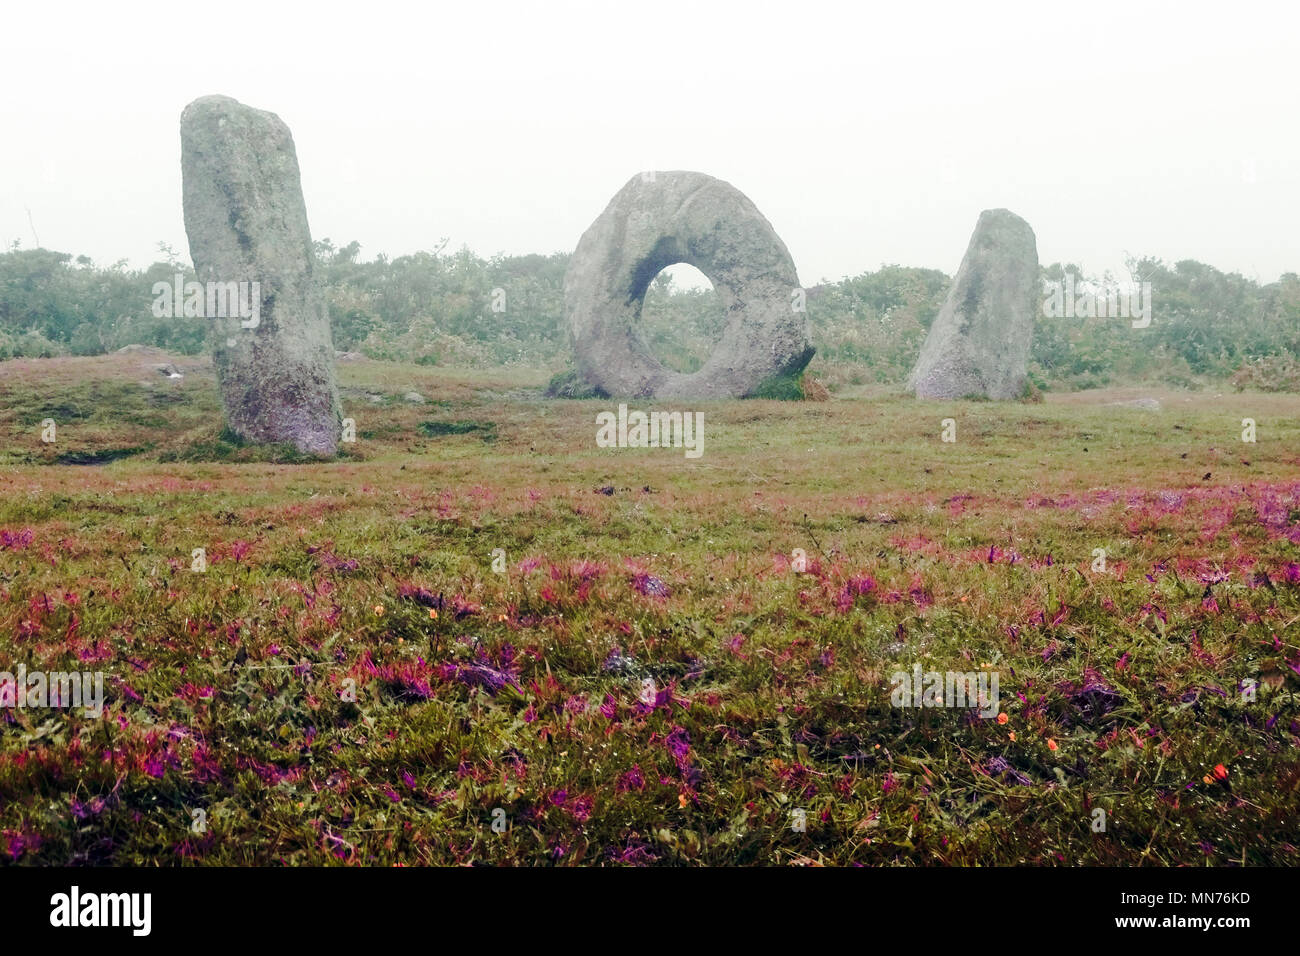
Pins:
<point x="660" y="219"/>
<point x="979" y="342"/>
<point x="246" y="222"/>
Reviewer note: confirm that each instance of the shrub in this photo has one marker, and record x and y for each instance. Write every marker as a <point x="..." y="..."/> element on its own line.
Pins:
<point x="1272" y="373"/>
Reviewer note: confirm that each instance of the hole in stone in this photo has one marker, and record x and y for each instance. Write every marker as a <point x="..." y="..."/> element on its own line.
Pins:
<point x="682" y="318"/>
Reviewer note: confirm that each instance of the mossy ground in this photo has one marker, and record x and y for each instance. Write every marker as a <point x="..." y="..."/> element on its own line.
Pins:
<point x="523" y="692"/>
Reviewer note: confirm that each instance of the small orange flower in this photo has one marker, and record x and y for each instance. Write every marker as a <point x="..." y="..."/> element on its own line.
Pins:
<point x="433" y="614"/>
<point x="1207" y="779"/>
<point x="379" y="610"/>
<point x="1221" y="772"/>
<point x="681" y="800"/>
<point x="501" y="617"/>
<point x="1051" y="744"/>
<point x="965" y="598"/>
<point x="1012" y="736"/>
<point x="1003" y="718"/>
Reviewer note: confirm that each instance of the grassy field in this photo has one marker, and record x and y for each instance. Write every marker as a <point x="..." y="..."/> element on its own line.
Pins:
<point x="650" y="681"/>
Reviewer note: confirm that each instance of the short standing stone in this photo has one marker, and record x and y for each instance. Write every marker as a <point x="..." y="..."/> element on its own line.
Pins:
<point x="247" y="223"/>
<point x="979" y="343"/>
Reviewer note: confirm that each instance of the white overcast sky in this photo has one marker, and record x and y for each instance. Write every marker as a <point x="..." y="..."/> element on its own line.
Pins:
<point x="866" y="133"/>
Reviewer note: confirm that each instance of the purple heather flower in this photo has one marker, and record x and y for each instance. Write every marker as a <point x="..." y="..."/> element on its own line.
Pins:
<point x="649" y="585"/>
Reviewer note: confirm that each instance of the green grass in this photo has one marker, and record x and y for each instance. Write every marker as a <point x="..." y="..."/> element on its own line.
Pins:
<point x="226" y="689"/>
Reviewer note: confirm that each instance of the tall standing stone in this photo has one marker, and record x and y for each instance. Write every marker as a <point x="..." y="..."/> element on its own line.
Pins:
<point x="247" y="223"/>
<point x="979" y="343"/>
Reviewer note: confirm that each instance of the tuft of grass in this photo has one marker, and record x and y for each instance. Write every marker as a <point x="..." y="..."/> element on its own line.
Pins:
<point x="228" y="446"/>
<point x="570" y="384"/>
<point x="434" y="429"/>
<point x="100" y="456"/>
<point x="785" y="388"/>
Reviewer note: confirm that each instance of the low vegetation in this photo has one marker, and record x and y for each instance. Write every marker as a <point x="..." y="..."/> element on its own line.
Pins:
<point x="649" y="679"/>
<point x="461" y="311"/>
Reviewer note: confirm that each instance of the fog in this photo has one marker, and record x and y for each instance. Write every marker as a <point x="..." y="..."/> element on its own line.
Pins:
<point x="867" y="135"/>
